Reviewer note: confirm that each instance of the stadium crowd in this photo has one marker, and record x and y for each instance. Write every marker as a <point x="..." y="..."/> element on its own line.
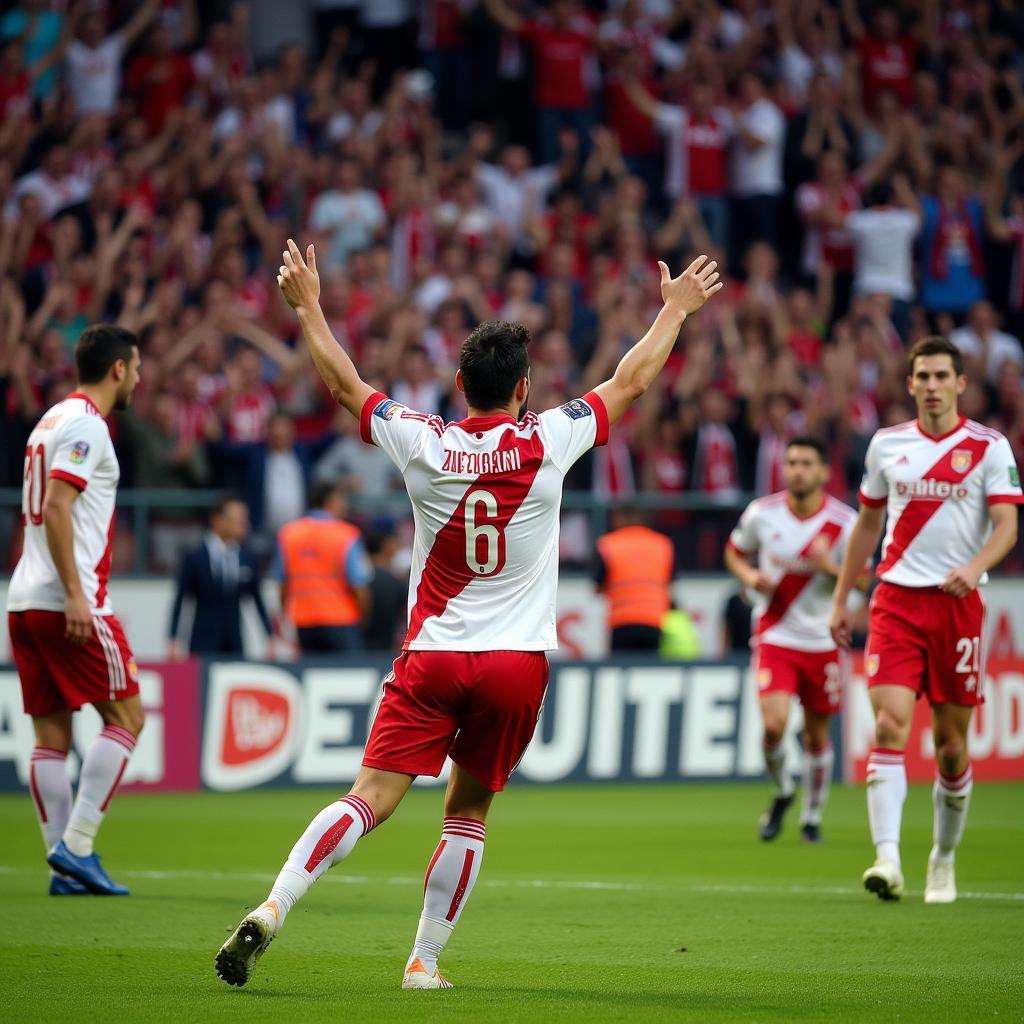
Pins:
<point x="856" y="169"/>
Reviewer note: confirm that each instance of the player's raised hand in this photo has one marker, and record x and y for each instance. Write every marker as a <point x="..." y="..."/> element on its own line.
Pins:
<point x="840" y="625"/>
<point x="298" y="278"/>
<point x="77" y="619"/>
<point x="693" y="287"/>
<point x="959" y="582"/>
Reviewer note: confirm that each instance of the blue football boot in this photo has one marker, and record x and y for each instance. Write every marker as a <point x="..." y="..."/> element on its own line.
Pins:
<point x="64" y="885"/>
<point x="86" y="870"/>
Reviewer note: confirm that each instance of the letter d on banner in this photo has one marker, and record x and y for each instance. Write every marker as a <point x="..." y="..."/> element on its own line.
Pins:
<point x="251" y="724"/>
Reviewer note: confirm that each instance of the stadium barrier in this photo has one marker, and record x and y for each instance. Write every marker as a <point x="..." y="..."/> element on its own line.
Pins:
<point x="232" y="725"/>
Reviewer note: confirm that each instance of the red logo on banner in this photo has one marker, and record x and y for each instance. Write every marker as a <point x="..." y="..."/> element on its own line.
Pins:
<point x="255" y="725"/>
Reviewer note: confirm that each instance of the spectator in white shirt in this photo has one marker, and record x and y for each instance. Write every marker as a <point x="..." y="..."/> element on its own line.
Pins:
<point x="93" y="61"/>
<point x="53" y="183"/>
<point x="757" y="184"/>
<point x="984" y="345"/>
<point x="883" y="243"/>
<point x="351" y="216"/>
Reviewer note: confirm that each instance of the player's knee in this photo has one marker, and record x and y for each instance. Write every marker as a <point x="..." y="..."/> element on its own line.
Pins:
<point x="774" y="730"/>
<point x="950" y="754"/>
<point x="890" y="730"/>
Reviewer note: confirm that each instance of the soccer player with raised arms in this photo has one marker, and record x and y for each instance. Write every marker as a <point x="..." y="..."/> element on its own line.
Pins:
<point x="68" y="646"/>
<point x="798" y="537"/>
<point x="947" y="488"/>
<point x="471" y="677"/>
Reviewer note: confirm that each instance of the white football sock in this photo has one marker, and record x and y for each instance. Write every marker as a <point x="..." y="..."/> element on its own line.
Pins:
<point x="50" y="786"/>
<point x="775" y="763"/>
<point x="102" y="769"/>
<point x="951" y="797"/>
<point x="451" y="875"/>
<point x="327" y="841"/>
<point x="887" y="790"/>
<point x="817" y="772"/>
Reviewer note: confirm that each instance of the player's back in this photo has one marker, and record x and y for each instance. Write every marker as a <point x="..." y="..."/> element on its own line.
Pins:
<point x="71" y="442"/>
<point x="486" y="498"/>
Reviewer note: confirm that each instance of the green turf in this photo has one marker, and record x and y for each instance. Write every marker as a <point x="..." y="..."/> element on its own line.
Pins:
<point x="647" y="903"/>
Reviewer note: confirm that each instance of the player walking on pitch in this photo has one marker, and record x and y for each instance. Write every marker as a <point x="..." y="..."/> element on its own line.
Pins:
<point x="798" y="536"/>
<point x="68" y="646"/>
<point x="948" y="487"/>
<point x="471" y="677"/>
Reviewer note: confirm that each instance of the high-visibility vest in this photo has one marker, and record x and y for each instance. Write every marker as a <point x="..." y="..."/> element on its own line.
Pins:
<point x="314" y="552"/>
<point x="680" y="640"/>
<point x="638" y="572"/>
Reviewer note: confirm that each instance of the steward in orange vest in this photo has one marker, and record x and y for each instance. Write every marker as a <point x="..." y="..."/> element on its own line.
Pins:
<point x="325" y="575"/>
<point x="634" y="572"/>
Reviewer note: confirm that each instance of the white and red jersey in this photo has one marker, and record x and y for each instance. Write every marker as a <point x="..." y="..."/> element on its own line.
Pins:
<point x="937" y="492"/>
<point x="486" y="495"/>
<point x="71" y="443"/>
<point x="795" y="615"/>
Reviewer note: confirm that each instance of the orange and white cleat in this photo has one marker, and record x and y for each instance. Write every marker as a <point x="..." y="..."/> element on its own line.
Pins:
<point x="416" y="976"/>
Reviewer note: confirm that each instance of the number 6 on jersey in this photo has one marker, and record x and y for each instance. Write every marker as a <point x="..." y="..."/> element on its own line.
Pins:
<point x="485" y="542"/>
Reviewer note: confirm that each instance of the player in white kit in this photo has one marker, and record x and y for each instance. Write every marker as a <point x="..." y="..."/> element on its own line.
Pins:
<point x="470" y="681"/>
<point x="68" y="645"/>
<point x="798" y="537"/>
<point x="948" y="488"/>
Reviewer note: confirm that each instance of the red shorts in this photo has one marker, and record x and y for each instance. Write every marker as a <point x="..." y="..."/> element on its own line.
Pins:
<point x="478" y="708"/>
<point x="927" y="640"/>
<point x="813" y="676"/>
<point x="57" y="674"/>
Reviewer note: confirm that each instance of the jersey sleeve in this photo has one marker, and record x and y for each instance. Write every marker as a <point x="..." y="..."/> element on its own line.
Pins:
<point x="744" y="537"/>
<point x="399" y="431"/>
<point x="874" y="488"/>
<point x="1002" y="480"/>
<point x="574" y="428"/>
<point x="81" y="448"/>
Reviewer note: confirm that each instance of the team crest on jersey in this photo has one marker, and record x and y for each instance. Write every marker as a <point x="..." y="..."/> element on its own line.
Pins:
<point x="79" y="453"/>
<point x="386" y="409"/>
<point x="576" y="409"/>
<point x="872" y="665"/>
<point x="961" y="460"/>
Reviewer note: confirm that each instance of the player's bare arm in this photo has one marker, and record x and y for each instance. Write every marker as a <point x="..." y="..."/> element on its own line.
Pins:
<point x="823" y="561"/>
<point x="300" y="286"/>
<point x="750" y="576"/>
<point x="867" y="531"/>
<point x="60" y="496"/>
<point x="964" y="578"/>
<point x="639" y="367"/>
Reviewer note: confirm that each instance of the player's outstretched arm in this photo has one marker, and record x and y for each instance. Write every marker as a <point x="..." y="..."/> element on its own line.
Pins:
<point x="300" y="286"/>
<point x="960" y="581"/>
<point x="863" y="540"/>
<point x="637" y="369"/>
<point x="60" y="539"/>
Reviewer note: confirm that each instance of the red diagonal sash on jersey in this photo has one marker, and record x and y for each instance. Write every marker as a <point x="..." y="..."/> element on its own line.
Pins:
<point x="792" y="585"/>
<point x="446" y="573"/>
<point x="918" y="511"/>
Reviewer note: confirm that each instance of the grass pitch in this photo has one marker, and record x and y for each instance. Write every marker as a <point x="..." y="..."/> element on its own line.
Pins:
<point x="652" y="903"/>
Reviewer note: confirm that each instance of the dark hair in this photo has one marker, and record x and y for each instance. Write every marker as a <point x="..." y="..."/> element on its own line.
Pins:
<point x="375" y="538"/>
<point x="935" y="345"/>
<point x="879" y="194"/>
<point x="493" y="360"/>
<point x="806" y="441"/>
<point x="98" y="348"/>
<point x="220" y="506"/>
<point x="321" y="491"/>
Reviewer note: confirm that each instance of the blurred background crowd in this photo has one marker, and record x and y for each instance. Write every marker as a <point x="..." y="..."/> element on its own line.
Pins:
<point x="855" y="167"/>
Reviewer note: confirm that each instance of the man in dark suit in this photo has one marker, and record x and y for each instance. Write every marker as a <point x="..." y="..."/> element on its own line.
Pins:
<point x="217" y="574"/>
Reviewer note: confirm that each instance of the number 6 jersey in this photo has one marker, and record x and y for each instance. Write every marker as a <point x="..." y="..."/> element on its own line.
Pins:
<point x="486" y="495"/>
<point x="71" y="443"/>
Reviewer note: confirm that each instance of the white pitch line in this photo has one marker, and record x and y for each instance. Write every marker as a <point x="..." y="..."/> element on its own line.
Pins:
<point x="534" y="883"/>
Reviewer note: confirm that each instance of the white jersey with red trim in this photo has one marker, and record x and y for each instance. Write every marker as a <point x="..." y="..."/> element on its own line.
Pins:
<point x="486" y="496"/>
<point x="795" y="615"/>
<point x="71" y="443"/>
<point x="937" y="492"/>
